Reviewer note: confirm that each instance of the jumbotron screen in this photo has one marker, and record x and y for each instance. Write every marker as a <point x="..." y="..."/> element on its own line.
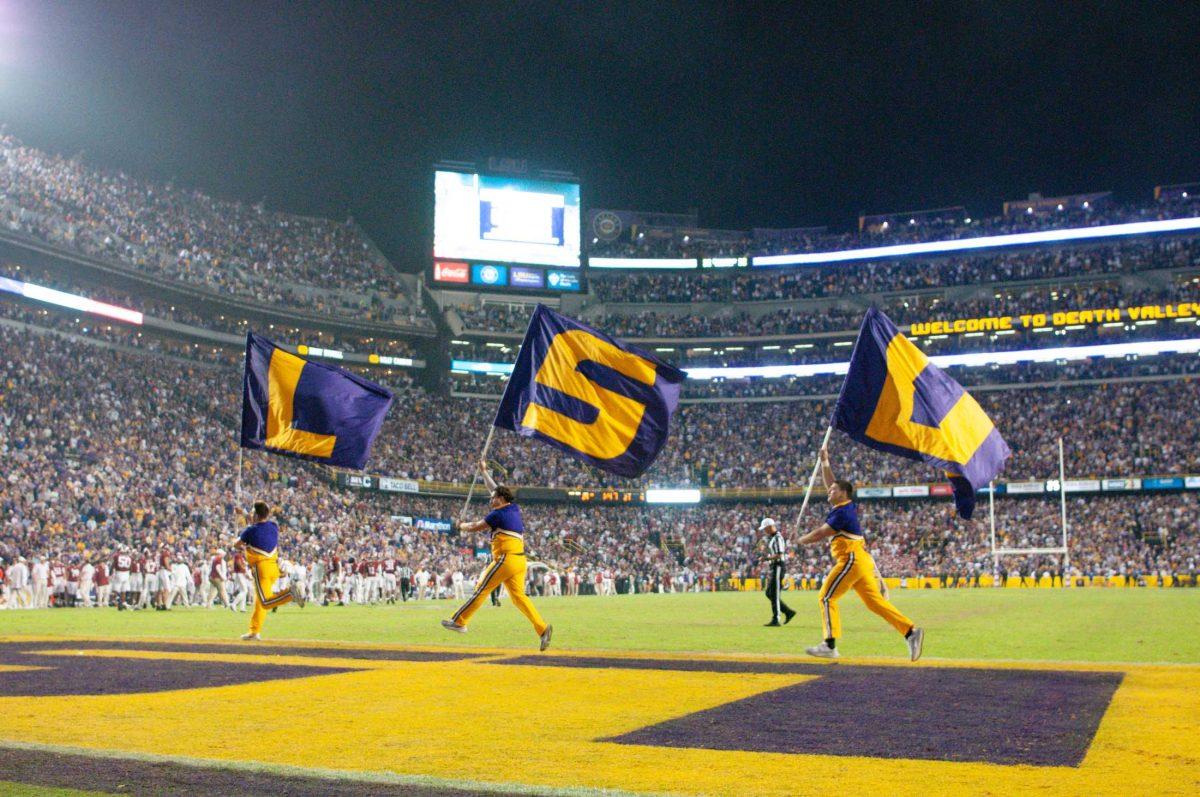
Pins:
<point x="505" y="219"/>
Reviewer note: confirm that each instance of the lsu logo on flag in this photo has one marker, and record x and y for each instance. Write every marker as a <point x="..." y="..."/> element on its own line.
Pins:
<point x="590" y="395"/>
<point x="895" y="400"/>
<point x="308" y="410"/>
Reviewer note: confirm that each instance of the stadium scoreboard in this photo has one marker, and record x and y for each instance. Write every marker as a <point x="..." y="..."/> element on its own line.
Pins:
<point x="502" y="232"/>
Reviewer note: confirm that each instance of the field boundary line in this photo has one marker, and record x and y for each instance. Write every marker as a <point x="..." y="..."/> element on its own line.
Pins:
<point x="715" y="655"/>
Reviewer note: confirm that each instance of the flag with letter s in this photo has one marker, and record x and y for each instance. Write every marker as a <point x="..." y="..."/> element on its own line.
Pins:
<point x="895" y="400"/>
<point x="590" y="395"/>
<point x="308" y="410"/>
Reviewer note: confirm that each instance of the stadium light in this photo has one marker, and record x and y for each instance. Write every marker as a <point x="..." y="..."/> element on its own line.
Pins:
<point x="476" y="367"/>
<point x="642" y="262"/>
<point x="768" y="371"/>
<point x="71" y="301"/>
<point x="1143" y="348"/>
<point x="682" y="496"/>
<point x="982" y="242"/>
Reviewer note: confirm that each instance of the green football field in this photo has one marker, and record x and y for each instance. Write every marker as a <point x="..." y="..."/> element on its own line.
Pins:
<point x="1082" y="625"/>
<point x="1075" y="628"/>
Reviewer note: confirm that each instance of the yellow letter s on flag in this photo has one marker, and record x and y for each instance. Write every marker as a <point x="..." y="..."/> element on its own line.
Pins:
<point x="617" y="417"/>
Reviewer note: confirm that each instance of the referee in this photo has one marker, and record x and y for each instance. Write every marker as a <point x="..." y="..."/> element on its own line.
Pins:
<point x="776" y="555"/>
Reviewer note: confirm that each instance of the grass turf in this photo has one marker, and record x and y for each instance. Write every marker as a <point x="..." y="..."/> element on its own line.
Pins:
<point x="1085" y="625"/>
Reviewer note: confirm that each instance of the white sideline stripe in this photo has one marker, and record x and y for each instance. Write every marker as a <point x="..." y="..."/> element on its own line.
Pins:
<point x="318" y="772"/>
<point x="624" y="653"/>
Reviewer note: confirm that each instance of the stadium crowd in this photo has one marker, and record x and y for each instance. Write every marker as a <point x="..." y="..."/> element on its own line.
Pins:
<point x="1127" y="540"/>
<point x="122" y="479"/>
<point x="134" y="456"/>
<point x="228" y="247"/>
<point x="658" y="241"/>
<point x="1043" y="374"/>
<point x="699" y="353"/>
<point x="1110" y="429"/>
<point x="856" y="279"/>
<point x="725" y="444"/>
<point x="211" y="321"/>
<point x="904" y="310"/>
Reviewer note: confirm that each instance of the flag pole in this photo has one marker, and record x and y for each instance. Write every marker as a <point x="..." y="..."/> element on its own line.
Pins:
<point x="237" y="491"/>
<point x="475" y="475"/>
<point x="813" y="478"/>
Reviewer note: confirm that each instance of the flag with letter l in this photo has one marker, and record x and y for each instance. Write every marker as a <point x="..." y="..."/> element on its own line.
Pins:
<point x="308" y="410"/>
<point x="895" y="400"/>
<point x="590" y="395"/>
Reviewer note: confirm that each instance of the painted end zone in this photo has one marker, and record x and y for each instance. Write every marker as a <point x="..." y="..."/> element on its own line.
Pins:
<point x="65" y="668"/>
<point x="997" y="716"/>
<point x="696" y="725"/>
<point x="992" y="716"/>
<point x="143" y="775"/>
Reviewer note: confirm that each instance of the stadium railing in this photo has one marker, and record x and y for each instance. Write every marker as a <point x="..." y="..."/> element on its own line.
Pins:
<point x="21" y="248"/>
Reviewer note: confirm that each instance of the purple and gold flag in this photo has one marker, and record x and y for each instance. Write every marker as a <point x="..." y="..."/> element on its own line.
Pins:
<point x="590" y="395"/>
<point x="895" y="400"/>
<point x="308" y="410"/>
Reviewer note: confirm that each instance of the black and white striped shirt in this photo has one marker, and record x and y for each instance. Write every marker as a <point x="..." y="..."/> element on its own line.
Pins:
<point x="777" y="547"/>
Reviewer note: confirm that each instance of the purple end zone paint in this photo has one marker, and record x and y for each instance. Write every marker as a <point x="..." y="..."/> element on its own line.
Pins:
<point x="1034" y="717"/>
<point x="67" y="674"/>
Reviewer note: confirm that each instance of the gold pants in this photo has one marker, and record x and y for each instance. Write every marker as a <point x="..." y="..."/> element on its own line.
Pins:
<point x="264" y="573"/>
<point x="508" y="568"/>
<point x="856" y="569"/>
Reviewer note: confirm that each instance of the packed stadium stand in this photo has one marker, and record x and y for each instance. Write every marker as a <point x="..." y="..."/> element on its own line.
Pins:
<point x="184" y="236"/>
<point x="121" y="437"/>
<point x="633" y="234"/>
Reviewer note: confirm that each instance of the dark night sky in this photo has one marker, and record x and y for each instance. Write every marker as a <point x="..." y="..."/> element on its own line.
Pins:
<point x="757" y="115"/>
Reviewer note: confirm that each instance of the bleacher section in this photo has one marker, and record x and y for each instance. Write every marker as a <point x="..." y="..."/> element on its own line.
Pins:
<point x="121" y="432"/>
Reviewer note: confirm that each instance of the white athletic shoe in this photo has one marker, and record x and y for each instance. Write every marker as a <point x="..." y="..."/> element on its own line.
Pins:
<point x="251" y="638"/>
<point x="915" y="640"/>
<point x="546" y="637"/>
<point x="823" y="651"/>
<point x="450" y="625"/>
<point x="297" y="598"/>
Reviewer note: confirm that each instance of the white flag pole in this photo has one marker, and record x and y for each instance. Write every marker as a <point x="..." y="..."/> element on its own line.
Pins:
<point x="475" y="476"/>
<point x="237" y="491"/>
<point x="813" y="478"/>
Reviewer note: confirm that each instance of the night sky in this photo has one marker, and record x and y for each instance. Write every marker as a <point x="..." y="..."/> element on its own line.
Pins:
<point x="756" y="115"/>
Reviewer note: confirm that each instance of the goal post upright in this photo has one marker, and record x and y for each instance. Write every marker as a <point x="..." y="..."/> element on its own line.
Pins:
<point x="992" y="520"/>
<point x="1056" y="551"/>
<point x="1062" y="491"/>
